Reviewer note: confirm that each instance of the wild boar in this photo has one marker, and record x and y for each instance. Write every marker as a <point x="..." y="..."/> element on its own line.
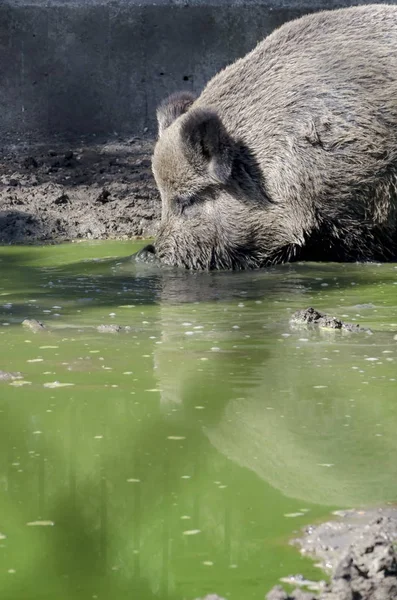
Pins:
<point x="289" y="153"/>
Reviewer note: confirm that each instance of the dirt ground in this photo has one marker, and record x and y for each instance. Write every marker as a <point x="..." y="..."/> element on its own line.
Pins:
<point x="95" y="191"/>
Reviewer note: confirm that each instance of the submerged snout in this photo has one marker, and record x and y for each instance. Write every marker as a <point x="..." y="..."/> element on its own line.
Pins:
<point x="146" y="254"/>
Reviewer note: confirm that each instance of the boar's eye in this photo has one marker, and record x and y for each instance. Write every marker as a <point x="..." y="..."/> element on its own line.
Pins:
<point x="186" y="200"/>
<point x="194" y="199"/>
<point x="186" y="203"/>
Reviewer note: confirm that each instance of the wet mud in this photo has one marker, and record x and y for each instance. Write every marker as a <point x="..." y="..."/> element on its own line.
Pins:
<point x="359" y="550"/>
<point x="62" y="193"/>
<point x="310" y="317"/>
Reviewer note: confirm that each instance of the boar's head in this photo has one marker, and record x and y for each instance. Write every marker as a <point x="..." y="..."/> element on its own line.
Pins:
<point x="212" y="192"/>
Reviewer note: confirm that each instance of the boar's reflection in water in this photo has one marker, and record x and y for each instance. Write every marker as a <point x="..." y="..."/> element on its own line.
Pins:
<point x="179" y="286"/>
<point x="262" y="411"/>
<point x="289" y="153"/>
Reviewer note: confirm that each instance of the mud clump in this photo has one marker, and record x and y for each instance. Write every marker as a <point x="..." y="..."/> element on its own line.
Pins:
<point x="311" y="317"/>
<point x="368" y="571"/>
<point x="34" y="325"/>
<point x="90" y="191"/>
<point x="360" y="549"/>
<point x="7" y="376"/>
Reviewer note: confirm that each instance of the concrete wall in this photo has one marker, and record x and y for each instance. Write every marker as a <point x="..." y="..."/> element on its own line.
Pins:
<point x="72" y="68"/>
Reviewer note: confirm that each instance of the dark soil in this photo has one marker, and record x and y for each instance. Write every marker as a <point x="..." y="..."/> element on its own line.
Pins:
<point x="64" y="193"/>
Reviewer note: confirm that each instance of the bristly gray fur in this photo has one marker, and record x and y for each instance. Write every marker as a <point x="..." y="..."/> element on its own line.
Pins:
<point x="289" y="153"/>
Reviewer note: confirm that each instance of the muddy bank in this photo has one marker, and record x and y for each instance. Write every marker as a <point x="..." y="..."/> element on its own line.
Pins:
<point x="95" y="191"/>
<point x="359" y="549"/>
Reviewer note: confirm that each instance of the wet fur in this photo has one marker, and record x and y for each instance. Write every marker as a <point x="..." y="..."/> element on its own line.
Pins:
<point x="289" y="153"/>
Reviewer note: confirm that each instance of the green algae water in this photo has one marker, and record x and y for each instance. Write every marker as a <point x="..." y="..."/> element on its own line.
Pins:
<point x="178" y="457"/>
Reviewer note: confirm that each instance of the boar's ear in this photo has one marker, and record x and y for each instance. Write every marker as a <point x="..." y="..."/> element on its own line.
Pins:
<point x="173" y="107"/>
<point x="206" y="141"/>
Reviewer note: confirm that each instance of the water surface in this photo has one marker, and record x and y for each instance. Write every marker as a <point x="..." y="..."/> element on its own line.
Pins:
<point x="178" y="458"/>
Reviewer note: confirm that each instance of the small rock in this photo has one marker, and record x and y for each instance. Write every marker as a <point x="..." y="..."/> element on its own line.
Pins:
<point x="34" y="325"/>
